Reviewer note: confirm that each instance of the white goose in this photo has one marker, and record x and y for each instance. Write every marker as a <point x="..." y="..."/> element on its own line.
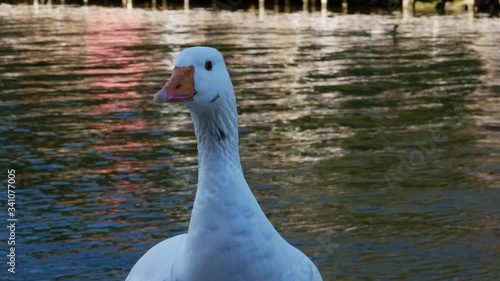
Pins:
<point x="229" y="237"/>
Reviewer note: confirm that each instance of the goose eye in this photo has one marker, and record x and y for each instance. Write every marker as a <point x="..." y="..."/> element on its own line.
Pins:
<point x="208" y="65"/>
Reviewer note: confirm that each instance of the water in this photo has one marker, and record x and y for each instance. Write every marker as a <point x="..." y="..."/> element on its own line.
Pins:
<point x="376" y="155"/>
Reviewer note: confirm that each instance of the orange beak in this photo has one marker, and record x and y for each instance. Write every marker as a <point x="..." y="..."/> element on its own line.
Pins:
<point x="179" y="88"/>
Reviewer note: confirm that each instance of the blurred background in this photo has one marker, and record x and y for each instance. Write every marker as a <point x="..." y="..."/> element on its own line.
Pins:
<point x="373" y="149"/>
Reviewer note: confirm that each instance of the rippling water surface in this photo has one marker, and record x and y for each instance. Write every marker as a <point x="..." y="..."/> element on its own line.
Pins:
<point x="376" y="155"/>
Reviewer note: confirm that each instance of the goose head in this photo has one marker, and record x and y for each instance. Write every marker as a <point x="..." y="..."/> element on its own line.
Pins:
<point x="201" y="82"/>
<point x="199" y="79"/>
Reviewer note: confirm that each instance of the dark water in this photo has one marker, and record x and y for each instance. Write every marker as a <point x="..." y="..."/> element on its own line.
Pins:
<point x="376" y="155"/>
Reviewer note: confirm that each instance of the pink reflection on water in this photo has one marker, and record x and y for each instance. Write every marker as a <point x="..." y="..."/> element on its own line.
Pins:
<point x="116" y="69"/>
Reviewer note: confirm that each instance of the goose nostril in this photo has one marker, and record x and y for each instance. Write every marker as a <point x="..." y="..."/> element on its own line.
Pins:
<point x="178" y="86"/>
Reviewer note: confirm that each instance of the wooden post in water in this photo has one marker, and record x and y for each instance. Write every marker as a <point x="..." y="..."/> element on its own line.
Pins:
<point x="186" y="5"/>
<point x="287" y="6"/>
<point x="153" y="5"/>
<point x="324" y="4"/>
<point x="262" y="8"/>
<point x="85" y="2"/>
<point x="163" y="4"/>
<point x="130" y="5"/>
<point x="305" y="5"/>
<point x="470" y="5"/>
<point x="344" y="7"/>
<point x="409" y="5"/>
